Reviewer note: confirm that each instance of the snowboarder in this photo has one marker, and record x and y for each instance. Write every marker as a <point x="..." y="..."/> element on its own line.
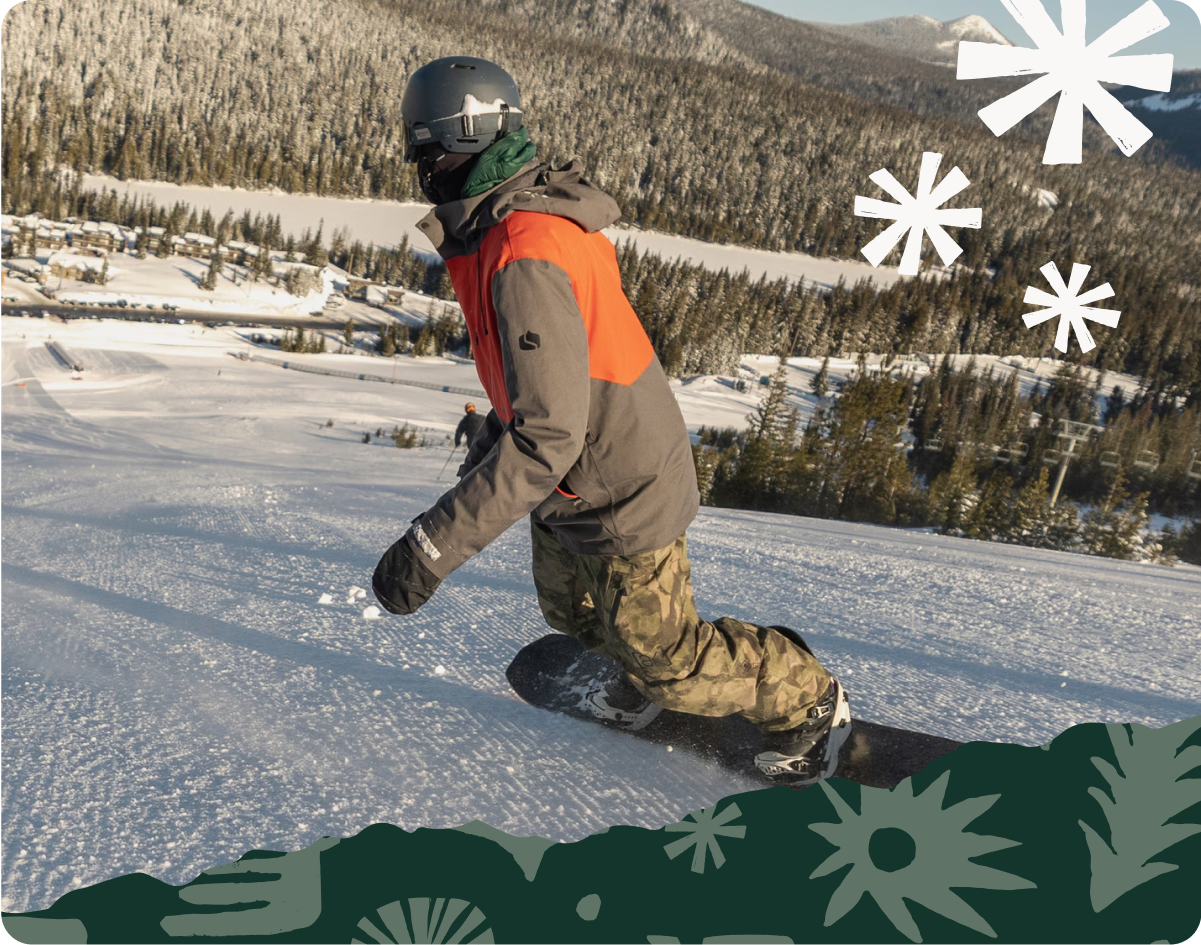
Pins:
<point x="584" y="436"/>
<point x="468" y="427"/>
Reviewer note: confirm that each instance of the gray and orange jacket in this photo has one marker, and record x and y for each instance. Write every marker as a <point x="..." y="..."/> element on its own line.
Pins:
<point x="584" y="431"/>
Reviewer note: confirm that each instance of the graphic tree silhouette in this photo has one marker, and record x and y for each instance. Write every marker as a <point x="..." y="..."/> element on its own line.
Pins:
<point x="1148" y="791"/>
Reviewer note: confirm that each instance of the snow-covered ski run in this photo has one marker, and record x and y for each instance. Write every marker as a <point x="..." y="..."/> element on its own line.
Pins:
<point x="175" y="692"/>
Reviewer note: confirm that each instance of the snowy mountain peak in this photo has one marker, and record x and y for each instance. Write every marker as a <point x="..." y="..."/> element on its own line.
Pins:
<point x="975" y="28"/>
<point x="922" y="37"/>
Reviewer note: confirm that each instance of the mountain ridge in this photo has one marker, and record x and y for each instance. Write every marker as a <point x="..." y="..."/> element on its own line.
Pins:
<point x="922" y="37"/>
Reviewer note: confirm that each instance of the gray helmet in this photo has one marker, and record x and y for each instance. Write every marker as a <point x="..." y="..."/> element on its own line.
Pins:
<point x="462" y="103"/>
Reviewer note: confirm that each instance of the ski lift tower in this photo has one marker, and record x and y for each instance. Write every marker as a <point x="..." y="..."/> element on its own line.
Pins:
<point x="1069" y="434"/>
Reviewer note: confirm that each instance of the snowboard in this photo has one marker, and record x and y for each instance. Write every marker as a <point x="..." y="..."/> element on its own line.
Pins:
<point x="553" y="673"/>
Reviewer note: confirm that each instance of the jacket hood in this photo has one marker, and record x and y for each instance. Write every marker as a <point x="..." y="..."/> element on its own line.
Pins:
<point x="456" y="228"/>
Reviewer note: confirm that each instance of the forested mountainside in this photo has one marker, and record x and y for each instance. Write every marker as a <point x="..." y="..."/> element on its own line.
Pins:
<point x="667" y="112"/>
<point x="1174" y="117"/>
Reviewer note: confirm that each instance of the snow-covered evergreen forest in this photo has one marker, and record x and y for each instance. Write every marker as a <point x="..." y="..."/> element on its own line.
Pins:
<point x="971" y="451"/>
<point x="665" y="105"/>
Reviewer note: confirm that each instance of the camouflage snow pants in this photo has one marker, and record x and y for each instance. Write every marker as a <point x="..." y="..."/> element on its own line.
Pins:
<point x="639" y="612"/>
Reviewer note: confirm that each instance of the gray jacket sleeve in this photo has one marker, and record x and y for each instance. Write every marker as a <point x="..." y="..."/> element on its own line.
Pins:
<point x="544" y="348"/>
<point x="484" y="441"/>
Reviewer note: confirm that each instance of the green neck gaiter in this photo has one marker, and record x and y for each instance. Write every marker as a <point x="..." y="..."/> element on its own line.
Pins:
<point x="500" y="162"/>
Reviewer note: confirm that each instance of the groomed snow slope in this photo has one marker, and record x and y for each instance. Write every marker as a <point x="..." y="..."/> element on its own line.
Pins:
<point x="175" y="693"/>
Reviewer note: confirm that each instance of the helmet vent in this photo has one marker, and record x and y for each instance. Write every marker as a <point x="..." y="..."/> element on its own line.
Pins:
<point x="461" y="65"/>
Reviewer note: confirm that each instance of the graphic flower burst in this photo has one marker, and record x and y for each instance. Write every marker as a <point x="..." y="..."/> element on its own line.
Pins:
<point x="917" y="214"/>
<point x="1075" y="70"/>
<point x="705" y="830"/>
<point x="942" y="855"/>
<point x="1071" y="308"/>
<point x="430" y="926"/>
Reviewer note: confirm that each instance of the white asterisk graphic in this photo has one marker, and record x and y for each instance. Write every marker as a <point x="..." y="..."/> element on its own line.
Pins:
<point x="1071" y="307"/>
<point x="916" y="215"/>
<point x="705" y="832"/>
<point x="938" y="859"/>
<point x="1074" y="69"/>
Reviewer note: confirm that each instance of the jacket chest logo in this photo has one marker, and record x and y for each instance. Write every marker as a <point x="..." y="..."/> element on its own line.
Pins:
<point x="529" y="341"/>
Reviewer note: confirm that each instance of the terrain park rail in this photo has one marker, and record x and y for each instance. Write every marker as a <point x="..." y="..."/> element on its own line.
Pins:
<point x="332" y="372"/>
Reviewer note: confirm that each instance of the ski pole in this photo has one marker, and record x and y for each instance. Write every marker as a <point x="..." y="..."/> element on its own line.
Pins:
<point x="447" y="463"/>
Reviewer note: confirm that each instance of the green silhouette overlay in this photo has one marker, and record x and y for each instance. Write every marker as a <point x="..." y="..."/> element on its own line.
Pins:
<point x="942" y="855"/>
<point x="705" y="830"/>
<point x="1149" y="791"/>
<point x="39" y="931"/>
<point x="984" y="844"/>
<point x="527" y="851"/>
<point x="725" y="940"/>
<point x="291" y="887"/>
<point x="589" y="907"/>
<point x="425" y="925"/>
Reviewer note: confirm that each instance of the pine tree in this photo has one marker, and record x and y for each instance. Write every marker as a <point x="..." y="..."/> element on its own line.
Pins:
<point x="820" y="384"/>
<point x="1115" y="528"/>
<point x="1114" y="404"/>
<point x="953" y="494"/>
<point x="704" y="461"/>
<point x="348" y="335"/>
<point x="1187" y="545"/>
<point x="859" y="471"/>
<point x="1029" y="523"/>
<point x="209" y="282"/>
<point x="425" y="341"/>
<point x="225" y="228"/>
<point x="264" y="265"/>
<point x="337" y="246"/>
<point x="444" y="289"/>
<point x="992" y="515"/>
<point x="387" y="341"/>
<point x="756" y="480"/>
<point x="314" y="252"/>
<point x="166" y="244"/>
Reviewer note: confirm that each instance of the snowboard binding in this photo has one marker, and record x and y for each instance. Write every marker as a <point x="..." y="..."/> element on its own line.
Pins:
<point x="809" y="752"/>
<point x="615" y="701"/>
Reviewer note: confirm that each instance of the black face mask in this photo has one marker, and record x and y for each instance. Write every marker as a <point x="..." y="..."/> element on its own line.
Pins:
<point x="441" y="174"/>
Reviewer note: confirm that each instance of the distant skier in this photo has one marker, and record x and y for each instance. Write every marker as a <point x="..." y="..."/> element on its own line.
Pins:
<point x="584" y="436"/>
<point x="469" y="426"/>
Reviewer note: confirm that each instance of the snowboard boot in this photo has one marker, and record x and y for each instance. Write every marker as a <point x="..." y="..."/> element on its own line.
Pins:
<point x="614" y="699"/>
<point x="809" y="752"/>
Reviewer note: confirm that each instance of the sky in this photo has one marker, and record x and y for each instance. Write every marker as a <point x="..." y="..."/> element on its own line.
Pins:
<point x="1182" y="39"/>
